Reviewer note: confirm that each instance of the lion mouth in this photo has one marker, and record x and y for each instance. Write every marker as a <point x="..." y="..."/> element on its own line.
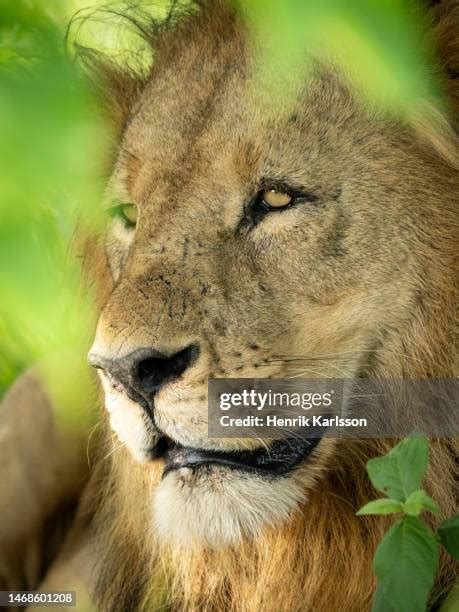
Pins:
<point x="278" y="459"/>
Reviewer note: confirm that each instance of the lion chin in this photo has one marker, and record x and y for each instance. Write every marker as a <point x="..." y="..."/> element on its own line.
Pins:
<point x="198" y="503"/>
<point x="214" y="498"/>
<point x="215" y="506"/>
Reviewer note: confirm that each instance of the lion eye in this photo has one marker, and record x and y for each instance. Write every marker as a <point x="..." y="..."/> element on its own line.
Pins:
<point x="271" y="198"/>
<point x="128" y="214"/>
<point x="274" y="198"/>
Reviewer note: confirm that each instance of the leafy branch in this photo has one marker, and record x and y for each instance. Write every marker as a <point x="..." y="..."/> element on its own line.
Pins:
<point x="406" y="560"/>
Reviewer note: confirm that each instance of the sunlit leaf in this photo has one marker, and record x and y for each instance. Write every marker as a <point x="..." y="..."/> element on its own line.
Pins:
<point x="418" y="502"/>
<point x="399" y="473"/>
<point x="381" y="506"/>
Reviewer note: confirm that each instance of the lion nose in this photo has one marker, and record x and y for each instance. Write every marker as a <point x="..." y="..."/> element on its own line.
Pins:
<point x="145" y="370"/>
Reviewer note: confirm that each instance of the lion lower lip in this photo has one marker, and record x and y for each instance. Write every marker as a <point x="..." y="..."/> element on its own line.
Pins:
<point x="280" y="458"/>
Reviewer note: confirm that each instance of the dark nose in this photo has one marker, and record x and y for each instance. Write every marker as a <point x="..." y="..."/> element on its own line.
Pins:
<point x="146" y="370"/>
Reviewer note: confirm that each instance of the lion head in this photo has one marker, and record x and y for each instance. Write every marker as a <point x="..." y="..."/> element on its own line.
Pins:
<point x="316" y="240"/>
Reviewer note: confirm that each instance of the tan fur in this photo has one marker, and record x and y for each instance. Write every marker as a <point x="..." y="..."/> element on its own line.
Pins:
<point x="44" y="469"/>
<point x="364" y="283"/>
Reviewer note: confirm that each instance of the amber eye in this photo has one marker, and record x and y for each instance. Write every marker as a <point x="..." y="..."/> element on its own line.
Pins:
<point x="127" y="213"/>
<point x="271" y="198"/>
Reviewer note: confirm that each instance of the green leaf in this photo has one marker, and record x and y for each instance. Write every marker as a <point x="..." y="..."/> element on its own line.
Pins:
<point x="419" y="501"/>
<point x="405" y="565"/>
<point x="449" y="535"/>
<point x="381" y="506"/>
<point x="401" y="471"/>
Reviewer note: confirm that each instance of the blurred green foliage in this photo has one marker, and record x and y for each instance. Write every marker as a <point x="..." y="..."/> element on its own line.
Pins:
<point x="51" y="141"/>
<point x="50" y="149"/>
<point x="49" y="145"/>
<point x="382" y="45"/>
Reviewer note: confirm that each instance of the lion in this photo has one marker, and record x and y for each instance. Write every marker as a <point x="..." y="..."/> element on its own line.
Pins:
<point x="317" y="240"/>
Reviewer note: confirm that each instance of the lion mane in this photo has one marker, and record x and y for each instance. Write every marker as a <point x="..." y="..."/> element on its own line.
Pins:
<point x="321" y="559"/>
